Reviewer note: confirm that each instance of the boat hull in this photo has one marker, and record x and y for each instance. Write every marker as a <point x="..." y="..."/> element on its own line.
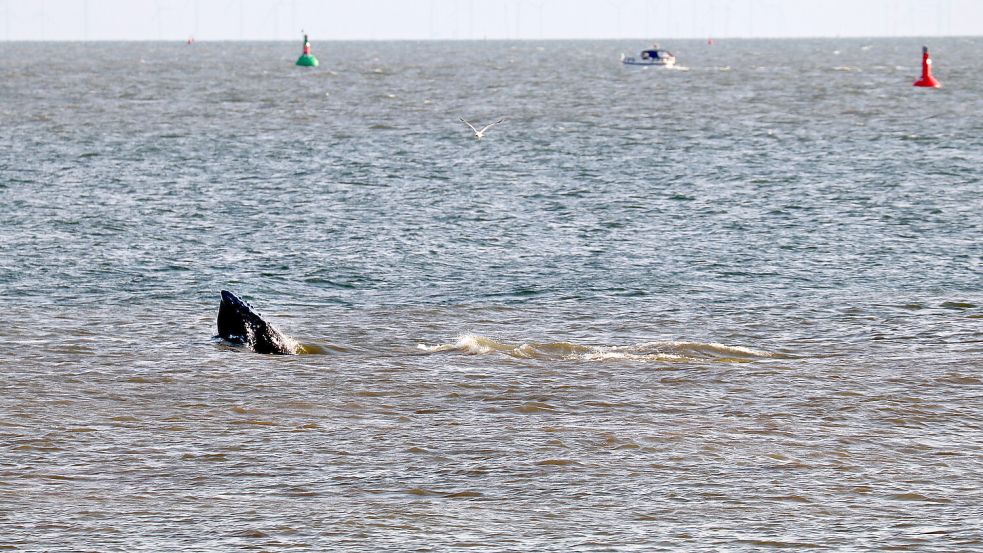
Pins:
<point x="650" y="58"/>
<point x="660" y="62"/>
<point x="642" y="63"/>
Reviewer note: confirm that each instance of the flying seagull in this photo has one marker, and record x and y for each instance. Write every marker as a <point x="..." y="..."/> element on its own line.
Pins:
<point x="479" y="134"/>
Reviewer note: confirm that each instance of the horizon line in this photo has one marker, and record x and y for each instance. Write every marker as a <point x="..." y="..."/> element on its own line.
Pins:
<point x="484" y="39"/>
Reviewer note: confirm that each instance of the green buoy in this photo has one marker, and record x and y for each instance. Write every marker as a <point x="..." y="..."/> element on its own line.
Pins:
<point x="307" y="59"/>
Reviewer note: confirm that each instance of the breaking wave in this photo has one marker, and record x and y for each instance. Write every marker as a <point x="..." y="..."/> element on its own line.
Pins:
<point x="661" y="351"/>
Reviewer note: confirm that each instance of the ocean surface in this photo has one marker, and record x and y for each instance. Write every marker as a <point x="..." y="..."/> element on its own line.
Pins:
<point x="735" y="306"/>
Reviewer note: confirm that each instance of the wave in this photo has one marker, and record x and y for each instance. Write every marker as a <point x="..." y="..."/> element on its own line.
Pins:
<point x="661" y="351"/>
<point x="286" y="343"/>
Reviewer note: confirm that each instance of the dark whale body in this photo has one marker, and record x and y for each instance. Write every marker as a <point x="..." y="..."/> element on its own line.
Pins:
<point x="239" y="323"/>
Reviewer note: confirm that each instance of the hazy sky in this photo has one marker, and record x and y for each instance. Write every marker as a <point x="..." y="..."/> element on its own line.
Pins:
<point x="476" y="19"/>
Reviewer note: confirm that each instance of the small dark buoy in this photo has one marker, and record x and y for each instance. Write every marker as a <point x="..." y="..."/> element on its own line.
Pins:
<point x="927" y="79"/>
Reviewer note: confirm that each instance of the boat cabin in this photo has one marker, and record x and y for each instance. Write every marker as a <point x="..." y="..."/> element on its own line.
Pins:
<point x="653" y="54"/>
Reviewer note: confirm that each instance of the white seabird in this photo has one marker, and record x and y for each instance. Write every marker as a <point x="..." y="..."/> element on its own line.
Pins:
<point x="479" y="134"/>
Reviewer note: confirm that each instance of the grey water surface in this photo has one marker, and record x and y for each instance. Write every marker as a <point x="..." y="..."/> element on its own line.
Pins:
<point x="734" y="306"/>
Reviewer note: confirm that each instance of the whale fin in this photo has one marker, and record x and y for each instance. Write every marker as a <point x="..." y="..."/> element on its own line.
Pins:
<point x="239" y="323"/>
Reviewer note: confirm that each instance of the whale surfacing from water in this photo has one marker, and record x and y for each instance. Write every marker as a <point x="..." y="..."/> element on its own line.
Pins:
<point x="240" y="324"/>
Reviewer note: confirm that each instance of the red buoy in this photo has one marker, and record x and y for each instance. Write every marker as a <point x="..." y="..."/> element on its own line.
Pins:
<point x="927" y="79"/>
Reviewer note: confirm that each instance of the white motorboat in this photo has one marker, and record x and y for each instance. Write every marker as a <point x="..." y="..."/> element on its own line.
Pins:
<point x="651" y="57"/>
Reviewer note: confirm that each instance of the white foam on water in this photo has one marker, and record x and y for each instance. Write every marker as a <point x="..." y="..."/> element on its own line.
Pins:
<point x="662" y="351"/>
<point x="467" y="343"/>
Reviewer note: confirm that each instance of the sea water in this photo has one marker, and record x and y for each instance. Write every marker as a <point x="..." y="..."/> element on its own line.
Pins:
<point x="733" y="306"/>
